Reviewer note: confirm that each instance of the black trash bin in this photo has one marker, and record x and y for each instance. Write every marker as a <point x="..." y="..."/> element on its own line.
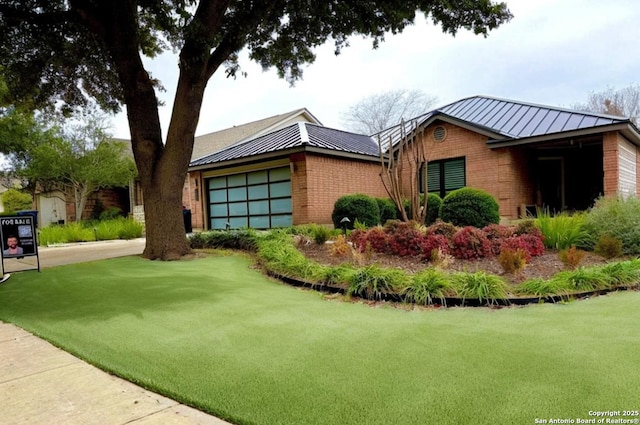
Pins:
<point x="186" y="216"/>
<point x="32" y="213"/>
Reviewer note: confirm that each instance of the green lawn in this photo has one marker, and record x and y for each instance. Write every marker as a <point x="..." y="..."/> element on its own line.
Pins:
<point x="216" y="334"/>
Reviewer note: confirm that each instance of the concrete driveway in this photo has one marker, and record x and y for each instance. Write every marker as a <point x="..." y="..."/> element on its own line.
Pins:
<point x="43" y="385"/>
<point x="76" y="253"/>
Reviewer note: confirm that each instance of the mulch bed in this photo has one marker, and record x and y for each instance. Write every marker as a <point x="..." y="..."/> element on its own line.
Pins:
<point x="544" y="266"/>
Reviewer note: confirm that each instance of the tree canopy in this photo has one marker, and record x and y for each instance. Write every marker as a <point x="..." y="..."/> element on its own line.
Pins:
<point x="61" y="53"/>
<point x="380" y="111"/>
<point x="76" y="160"/>
<point x="623" y="102"/>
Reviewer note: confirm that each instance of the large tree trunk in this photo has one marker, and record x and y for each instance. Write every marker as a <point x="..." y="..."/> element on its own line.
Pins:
<point x="165" y="230"/>
<point x="162" y="168"/>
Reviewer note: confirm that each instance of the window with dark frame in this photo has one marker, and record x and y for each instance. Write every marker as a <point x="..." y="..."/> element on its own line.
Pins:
<point x="444" y="176"/>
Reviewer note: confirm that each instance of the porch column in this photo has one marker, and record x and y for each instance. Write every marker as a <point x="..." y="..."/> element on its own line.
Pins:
<point x="610" y="163"/>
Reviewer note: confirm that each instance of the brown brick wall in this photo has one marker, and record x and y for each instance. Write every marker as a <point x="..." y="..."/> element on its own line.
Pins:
<point x="501" y="172"/>
<point x="192" y="193"/>
<point x="116" y="197"/>
<point x="318" y="181"/>
<point x="610" y="163"/>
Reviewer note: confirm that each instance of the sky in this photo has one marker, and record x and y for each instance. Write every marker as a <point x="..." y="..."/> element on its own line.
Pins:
<point x="553" y="52"/>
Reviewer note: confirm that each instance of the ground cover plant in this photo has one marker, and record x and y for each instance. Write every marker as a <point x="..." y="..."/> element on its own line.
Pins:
<point x="216" y="334"/>
<point x="86" y="231"/>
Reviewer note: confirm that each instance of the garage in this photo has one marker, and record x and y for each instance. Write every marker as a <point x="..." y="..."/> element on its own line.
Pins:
<point x="258" y="199"/>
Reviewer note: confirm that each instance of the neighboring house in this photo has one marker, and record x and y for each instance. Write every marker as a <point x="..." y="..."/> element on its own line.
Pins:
<point x="524" y="155"/>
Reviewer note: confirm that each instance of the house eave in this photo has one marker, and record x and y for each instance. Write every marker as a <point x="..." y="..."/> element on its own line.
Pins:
<point x="629" y="131"/>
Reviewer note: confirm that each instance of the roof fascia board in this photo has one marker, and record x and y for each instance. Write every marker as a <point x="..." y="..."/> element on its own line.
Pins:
<point x="624" y="128"/>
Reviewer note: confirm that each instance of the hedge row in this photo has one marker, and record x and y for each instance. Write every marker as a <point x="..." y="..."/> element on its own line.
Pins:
<point x="462" y="207"/>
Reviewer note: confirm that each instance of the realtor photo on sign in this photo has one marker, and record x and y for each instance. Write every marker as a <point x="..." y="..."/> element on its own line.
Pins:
<point x="17" y="237"/>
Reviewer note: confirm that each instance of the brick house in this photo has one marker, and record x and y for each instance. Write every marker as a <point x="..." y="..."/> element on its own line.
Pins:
<point x="290" y="176"/>
<point x="524" y="155"/>
<point x="527" y="155"/>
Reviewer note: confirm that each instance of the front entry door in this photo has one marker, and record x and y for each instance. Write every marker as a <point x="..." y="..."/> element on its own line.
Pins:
<point x="550" y="187"/>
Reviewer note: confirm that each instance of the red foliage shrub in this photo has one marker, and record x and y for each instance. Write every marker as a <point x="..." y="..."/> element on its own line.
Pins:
<point x="403" y="240"/>
<point x="531" y="245"/>
<point x="433" y="242"/>
<point x="497" y="233"/>
<point x="376" y="237"/>
<point x="471" y="243"/>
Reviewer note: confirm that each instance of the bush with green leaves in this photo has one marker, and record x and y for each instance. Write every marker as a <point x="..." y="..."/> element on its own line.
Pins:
<point x="618" y="218"/>
<point x="434" y="202"/>
<point x="277" y="254"/>
<point x="608" y="247"/>
<point x="320" y="233"/>
<point x="374" y="283"/>
<point x="355" y="207"/>
<point x="14" y="200"/>
<point x="539" y="287"/>
<point x="71" y="232"/>
<point x="118" y="228"/>
<point x="480" y="286"/>
<point x="561" y="231"/>
<point x="85" y="231"/>
<point x="111" y="213"/>
<point x="388" y="210"/>
<point x="427" y="286"/>
<point x="241" y="239"/>
<point x="470" y="207"/>
<point x="582" y="279"/>
<point x="623" y="273"/>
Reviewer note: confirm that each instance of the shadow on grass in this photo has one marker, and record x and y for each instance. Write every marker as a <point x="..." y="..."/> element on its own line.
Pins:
<point x="125" y="286"/>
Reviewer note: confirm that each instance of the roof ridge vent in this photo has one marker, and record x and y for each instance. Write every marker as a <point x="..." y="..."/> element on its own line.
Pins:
<point x="304" y="135"/>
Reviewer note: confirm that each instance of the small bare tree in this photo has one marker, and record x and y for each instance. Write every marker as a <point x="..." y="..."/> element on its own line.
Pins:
<point x="380" y="111"/>
<point x="409" y="152"/>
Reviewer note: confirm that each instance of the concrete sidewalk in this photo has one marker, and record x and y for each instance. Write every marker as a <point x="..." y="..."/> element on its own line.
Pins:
<point x="41" y="384"/>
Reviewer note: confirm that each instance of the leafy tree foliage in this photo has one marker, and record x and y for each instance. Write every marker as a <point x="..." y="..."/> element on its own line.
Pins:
<point x="77" y="169"/>
<point x="76" y="160"/>
<point x="64" y="52"/>
<point x="15" y="200"/>
<point x="380" y="111"/>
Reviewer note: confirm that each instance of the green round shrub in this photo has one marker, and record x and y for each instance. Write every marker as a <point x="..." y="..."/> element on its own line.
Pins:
<point x="356" y="207"/>
<point x="434" y="202"/>
<point x="433" y="207"/>
<point x="470" y="207"/>
<point x="388" y="210"/>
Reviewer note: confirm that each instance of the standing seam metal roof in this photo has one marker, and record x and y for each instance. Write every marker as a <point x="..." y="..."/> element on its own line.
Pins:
<point x="518" y="120"/>
<point x="295" y="135"/>
<point x="508" y="119"/>
<point x="500" y="118"/>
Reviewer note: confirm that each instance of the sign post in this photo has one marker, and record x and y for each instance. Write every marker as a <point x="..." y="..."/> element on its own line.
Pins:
<point x="18" y="238"/>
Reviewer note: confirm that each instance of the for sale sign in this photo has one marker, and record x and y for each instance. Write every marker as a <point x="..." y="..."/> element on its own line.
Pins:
<point x="18" y="237"/>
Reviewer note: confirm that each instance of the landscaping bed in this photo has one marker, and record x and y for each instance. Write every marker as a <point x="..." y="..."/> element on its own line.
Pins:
<point x="544" y="266"/>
